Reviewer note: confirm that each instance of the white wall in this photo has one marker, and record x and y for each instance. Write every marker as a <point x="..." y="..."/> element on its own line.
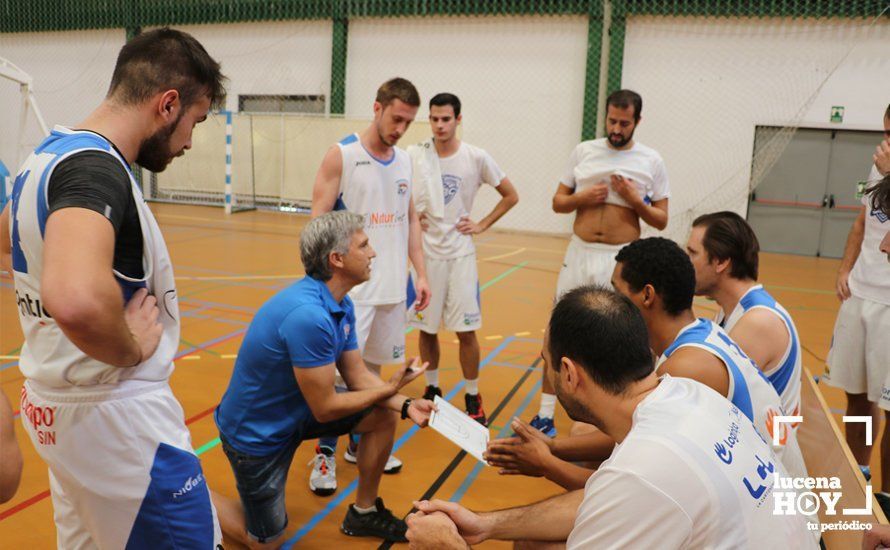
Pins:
<point x="71" y="72"/>
<point x="706" y="84"/>
<point x="521" y="82"/>
<point x="287" y="57"/>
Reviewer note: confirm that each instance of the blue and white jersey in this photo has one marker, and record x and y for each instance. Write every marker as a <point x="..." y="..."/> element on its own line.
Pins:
<point x="379" y="190"/>
<point x="749" y="389"/>
<point x="48" y="357"/>
<point x="786" y="376"/>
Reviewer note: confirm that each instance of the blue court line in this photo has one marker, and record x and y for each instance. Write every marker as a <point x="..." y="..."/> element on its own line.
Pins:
<point x="208" y="303"/>
<point x="349" y="489"/>
<point x="477" y="469"/>
<point x="209" y="343"/>
<point x="196" y="315"/>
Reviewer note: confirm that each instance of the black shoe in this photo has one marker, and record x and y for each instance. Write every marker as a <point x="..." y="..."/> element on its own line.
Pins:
<point x="381" y="524"/>
<point x="431" y="392"/>
<point x="474" y="408"/>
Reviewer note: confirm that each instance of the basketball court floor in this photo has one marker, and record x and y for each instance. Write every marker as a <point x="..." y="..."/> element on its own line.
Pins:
<point x="227" y="267"/>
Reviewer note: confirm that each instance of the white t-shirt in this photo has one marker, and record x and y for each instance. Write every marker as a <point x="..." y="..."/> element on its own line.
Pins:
<point x="463" y="173"/>
<point x="692" y="473"/>
<point x="381" y="192"/>
<point x="593" y="162"/>
<point x="870" y="277"/>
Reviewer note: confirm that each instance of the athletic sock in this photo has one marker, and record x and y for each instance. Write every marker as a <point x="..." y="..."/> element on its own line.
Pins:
<point x="363" y="511"/>
<point x="432" y="377"/>
<point x="866" y="471"/>
<point x="548" y="405"/>
<point x="472" y="387"/>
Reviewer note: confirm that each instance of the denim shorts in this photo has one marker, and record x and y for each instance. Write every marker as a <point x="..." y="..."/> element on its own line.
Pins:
<point x="261" y="479"/>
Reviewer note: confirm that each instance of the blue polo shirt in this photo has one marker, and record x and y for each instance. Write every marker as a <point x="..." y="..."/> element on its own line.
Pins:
<point x="302" y="326"/>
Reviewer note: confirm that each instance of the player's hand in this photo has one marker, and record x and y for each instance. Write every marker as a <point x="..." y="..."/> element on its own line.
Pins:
<point x="842" y="286"/>
<point x="468" y="226"/>
<point x="882" y="157"/>
<point x="434" y="531"/>
<point x="407" y="373"/>
<point x="424" y="223"/>
<point x="419" y="411"/>
<point x="471" y="526"/>
<point x="625" y="188"/>
<point x="593" y="195"/>
<point x="876" y="537"/>
<point x="525" y="454"/>
<point x="422" y="288"/>
<point x="141" y="316"/>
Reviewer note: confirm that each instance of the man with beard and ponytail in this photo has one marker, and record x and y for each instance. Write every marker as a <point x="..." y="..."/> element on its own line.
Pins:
<point x="98" y="307"/>
<point x="611" y="184"/>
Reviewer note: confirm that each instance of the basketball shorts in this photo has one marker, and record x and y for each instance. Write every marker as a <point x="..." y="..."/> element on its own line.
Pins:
<point x="454" y="285"/>
<point x="585" y="264"/>
<point x="381" y="332"/>
<point x="121" y="468"/>
<point x="859" y="358"/>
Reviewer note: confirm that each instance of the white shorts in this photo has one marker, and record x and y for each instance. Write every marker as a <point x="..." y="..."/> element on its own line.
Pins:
<point x="859" y="358"/>
<point x="454" y="285"/>
<point x="381" y="333"/>
<point x="586" y="263"/>
<point x="121" y="467"/>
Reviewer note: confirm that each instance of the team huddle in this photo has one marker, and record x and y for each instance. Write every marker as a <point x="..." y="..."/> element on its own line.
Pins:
<point x="676" y="441"/>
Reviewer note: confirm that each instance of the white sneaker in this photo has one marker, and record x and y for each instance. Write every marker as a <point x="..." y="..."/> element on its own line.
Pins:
<point x="393" y="464"/>
<point x="323" y="479"/>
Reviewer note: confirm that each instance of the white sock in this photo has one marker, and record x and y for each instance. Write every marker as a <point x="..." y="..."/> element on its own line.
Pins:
<point x="548" y="405"/>
<point x="472" y="387"/>
<point x="432" y="377"/>
<point x="363" y="511"/>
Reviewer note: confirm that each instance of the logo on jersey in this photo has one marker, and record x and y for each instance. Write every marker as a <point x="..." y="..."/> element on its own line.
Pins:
<point x="191" y="483"/>
<point x="723" y="453"/>
<point x="30" y="307"/>
<point x="881" y="217"/>
<point x="450" y="184"/>
<point x="398" y="351"/>
<point x="472" y="318"/>
<point x="403" y="186"/>
<point x="363" y="163"/>
<point x="40" y="418"/>
<point x="346" y="328"/>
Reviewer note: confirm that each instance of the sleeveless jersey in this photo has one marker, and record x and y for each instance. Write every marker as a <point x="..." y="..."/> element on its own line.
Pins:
<point x="786" y="376"/>
<point x="749" y="389"/>
<point x="381" y="192"/>
<point x="48" y="357"/>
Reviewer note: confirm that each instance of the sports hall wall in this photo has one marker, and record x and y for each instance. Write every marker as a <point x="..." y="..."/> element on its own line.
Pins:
<point x="527" y="72"/>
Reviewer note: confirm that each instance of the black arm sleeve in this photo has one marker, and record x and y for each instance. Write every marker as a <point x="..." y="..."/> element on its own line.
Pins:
<point x="93" y="180"/>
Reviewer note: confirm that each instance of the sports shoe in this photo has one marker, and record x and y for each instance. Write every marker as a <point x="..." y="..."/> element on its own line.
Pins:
<point x="545" y="425"/>
<point x="884" y="502"/>
<point x="474" y="408"/>
<point x="380" y="523"/>
<point x="431" y="392"/>
<point x="393" y="464"/>
<point x="323" y="479"/>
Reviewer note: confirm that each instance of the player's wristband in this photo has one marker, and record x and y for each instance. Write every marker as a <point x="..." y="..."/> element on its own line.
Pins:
<point x="405" y="406"/>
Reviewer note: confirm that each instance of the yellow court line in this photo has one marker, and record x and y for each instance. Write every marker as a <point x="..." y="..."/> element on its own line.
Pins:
<point x="236" y="277"/>
<point x="9" y="356"/>
<point x="561" y="252"/>
<point x="525" y="333"/>
<point x="190" y="358"/>
<point x="501" y="256"/>
<point x="229" y="356"/>
<point x="494" y="337"/>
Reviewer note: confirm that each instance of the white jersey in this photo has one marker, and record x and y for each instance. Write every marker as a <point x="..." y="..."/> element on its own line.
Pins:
<point x="749" y="389"/>
<point x="692" y="473"/>
<point x="463" y="173"/>
<point x="48" y="357"/>
<point x="786" y="376"/>
<point x="870" y="277"/>
<point x="381" y="192"/>
<point x="593" y="162"/>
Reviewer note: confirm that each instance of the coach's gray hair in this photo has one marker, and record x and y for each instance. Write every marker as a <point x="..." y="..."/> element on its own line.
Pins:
<point x="327" y="233"/>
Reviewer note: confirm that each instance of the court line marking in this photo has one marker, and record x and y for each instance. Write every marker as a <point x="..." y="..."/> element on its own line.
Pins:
<point x="236" y="277"/>
<point x="502" y="256"/>
<point x="349" y="489"/>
